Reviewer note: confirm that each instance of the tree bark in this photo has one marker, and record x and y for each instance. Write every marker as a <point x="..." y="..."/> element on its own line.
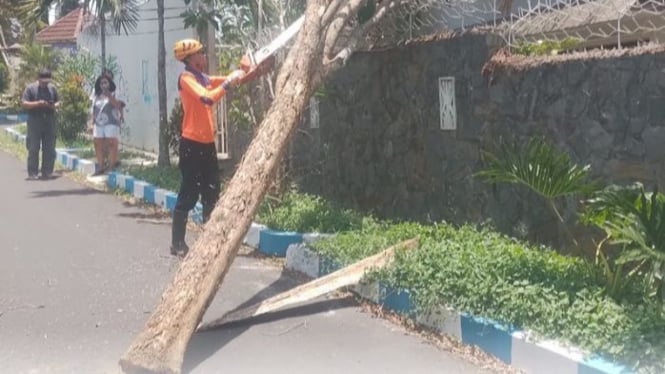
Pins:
<point x="160" y="347"/>
<point x="163" y="158"/>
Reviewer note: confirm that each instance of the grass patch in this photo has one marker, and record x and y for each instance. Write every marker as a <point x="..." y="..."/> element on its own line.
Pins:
<point x="8" y="144"/>
<point x="21" y="129"/>
<point x="74" y="144"/>
<point x="86" y="151"/>
<point x="351" y="246"/>
<point x="88" y="154"/>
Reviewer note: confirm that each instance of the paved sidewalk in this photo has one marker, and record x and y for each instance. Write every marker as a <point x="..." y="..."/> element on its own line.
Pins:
<point x="80" y="274"/>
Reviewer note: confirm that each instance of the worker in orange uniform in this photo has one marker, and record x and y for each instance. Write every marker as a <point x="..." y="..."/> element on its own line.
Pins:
<point x="198" y="156"/>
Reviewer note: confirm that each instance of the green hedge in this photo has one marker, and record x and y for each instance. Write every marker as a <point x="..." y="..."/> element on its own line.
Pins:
<point x="306" y="213"/>
<point x="534" y="288"/>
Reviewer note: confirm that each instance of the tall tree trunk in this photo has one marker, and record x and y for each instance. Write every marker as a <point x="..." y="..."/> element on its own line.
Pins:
<point x="102" y="36"/>
<point x="160" y="347"/>
<point x="163" y="157"/>
<point x="3" y="44"/>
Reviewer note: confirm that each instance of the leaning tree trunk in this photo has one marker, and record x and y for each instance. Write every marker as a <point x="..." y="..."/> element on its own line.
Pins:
<point x="163" y="157"/>
<point x="160" y="347"/>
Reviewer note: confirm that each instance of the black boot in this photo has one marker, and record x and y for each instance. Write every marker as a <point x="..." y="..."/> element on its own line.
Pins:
<point x="178" y="230"/>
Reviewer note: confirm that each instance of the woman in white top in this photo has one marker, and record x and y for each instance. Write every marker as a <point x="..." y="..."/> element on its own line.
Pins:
<point x="106" y="118"/>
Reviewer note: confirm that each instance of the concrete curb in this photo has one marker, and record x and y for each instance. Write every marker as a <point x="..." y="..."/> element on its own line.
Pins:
<point x="15" y="135"/>
<point x="13" y="118"/>
<point x="516" y="348"/>
<point x="150" y="193"/>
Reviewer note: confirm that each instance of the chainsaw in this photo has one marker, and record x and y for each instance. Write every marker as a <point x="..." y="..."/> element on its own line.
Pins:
<point x="257" y="63"/>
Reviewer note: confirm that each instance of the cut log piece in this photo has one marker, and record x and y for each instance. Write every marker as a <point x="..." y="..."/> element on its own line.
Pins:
<point x="347" y="276"/>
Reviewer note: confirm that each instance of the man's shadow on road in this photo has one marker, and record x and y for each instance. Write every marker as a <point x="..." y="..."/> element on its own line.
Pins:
<point x="205" y="344"/>
<point x="57" y="193"/>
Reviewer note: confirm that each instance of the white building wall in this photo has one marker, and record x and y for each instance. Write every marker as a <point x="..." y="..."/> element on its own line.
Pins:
<point x="136" y="55"/>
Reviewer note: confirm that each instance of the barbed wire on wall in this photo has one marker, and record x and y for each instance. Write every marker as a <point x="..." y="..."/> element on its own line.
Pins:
<point x="592" y="23"/>
<point x="421" y="18"/>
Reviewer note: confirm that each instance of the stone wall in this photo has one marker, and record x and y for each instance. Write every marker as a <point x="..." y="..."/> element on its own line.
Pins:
<point x="379" y="146"/>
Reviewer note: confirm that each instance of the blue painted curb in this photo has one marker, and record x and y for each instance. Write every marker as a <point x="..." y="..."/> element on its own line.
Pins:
<point x="171" y="199"/>
<point x="399" y="301"/>
<point x="111" y="181"/>
<point x="149" y="194"/>
<point x="487" y="335"/>
<point x="13" y="118"/>
<point x="275" y="243"/>
<point x="129" y="184"/>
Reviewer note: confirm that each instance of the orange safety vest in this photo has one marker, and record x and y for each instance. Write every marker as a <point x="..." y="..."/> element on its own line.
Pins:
<point x="198" y="93"/>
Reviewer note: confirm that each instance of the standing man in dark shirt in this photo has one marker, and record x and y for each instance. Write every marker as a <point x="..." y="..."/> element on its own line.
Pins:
<point x="40" y="99"/>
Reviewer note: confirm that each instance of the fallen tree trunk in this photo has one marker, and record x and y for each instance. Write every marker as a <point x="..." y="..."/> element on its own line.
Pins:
<point x="347" y="276"/>
<point x="160" y="347"/>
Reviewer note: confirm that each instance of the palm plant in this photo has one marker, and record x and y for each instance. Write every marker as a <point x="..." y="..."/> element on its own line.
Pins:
<point x="35" y="57"/>
<point x="541" y="168"/>
<point x="635" y="220"/>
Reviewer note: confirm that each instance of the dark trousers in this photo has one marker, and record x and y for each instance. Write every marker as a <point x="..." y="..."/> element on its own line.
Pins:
<point x="200" y="176"/>
<point x="41" y="134"/>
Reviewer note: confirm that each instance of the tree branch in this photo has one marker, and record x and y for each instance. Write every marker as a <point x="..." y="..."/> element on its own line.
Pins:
<point x="331" y="10"/>
<point x="351" y="44"/>
<point x="337" y="23"/>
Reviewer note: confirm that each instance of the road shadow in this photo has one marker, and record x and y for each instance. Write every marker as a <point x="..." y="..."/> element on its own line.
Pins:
<point x="68" y="192"/>
<point x="205" y="344"/>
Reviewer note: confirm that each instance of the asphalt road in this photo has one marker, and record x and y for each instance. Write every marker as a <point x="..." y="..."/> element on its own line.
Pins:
<point x="79" y="275"/>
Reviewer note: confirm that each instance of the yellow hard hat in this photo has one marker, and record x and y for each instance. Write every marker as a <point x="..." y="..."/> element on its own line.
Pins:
<point x="185" y="48"/>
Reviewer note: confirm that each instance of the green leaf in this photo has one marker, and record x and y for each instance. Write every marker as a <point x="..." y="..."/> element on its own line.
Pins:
<point x="537" y="166"/>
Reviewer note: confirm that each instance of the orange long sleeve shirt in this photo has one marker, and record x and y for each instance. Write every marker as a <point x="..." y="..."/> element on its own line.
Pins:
<point x="198" y="94"/>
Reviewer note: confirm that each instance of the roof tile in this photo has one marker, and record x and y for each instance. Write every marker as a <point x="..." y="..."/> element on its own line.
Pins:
<point x="65" y="29"/>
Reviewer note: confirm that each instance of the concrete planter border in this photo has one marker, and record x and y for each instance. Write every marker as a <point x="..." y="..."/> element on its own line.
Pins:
<point x="514" y="347"/>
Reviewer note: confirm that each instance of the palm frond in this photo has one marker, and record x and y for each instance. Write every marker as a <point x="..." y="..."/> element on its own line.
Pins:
<point x="538" y="166"/>
<point x="611" y="205"/>
<point x="124" y="15"/>
<point x="630" y="216"/>
<point x="35" y="57"/>
<point x="31" y="12"/>
<point x="634" y="219"/>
